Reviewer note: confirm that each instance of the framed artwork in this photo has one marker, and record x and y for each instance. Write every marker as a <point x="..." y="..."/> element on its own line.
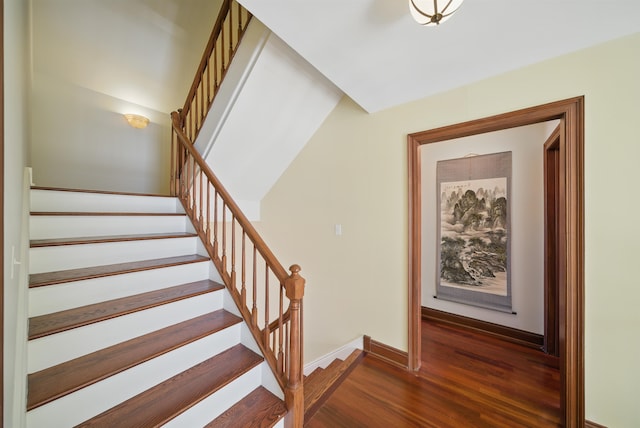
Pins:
<point x="473" y="233"/>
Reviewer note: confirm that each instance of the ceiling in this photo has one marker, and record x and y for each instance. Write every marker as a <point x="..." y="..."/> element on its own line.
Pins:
<point x="146" y="51"/>
<point x="375" y="53"/>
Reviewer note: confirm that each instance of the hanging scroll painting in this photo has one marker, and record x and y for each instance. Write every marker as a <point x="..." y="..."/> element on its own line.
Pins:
<point x="473" y="230"/>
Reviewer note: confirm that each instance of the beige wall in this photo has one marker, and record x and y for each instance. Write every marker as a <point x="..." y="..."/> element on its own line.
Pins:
<point x="353" y="172"/>
<point x="16" y="120"/>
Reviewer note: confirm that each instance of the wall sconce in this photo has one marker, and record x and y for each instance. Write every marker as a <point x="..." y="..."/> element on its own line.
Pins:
<point x="137" y="121"/>
<point x="433" y="12"/>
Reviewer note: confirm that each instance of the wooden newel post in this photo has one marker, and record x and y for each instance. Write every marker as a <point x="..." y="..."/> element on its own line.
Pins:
<point x="176" y="148"/>
<point x="179" y="157"/>
<point x="294" y="391"/>
<point x="181" y="116"/>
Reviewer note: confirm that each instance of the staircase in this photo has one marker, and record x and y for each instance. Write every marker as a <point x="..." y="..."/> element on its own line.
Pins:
<point x="129" y="324"/>
<point x="323" y="381"/>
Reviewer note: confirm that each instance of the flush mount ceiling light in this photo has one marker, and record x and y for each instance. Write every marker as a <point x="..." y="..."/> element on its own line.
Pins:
<point x="433" y="12"/>
<point x="137" y="121"/>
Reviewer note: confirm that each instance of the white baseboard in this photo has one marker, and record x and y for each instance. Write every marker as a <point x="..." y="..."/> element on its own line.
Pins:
<point x="342" y="353"/>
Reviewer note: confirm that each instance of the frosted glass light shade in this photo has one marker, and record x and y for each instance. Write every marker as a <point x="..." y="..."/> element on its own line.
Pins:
<point x="433" y="12"/>
<point x="137" y="121"/>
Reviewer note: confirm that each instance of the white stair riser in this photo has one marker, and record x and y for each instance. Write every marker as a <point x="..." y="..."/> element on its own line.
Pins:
<point x="68" y="295"/>
<point x="95" y="399"/>
<point x="62" y="201"/>
<point x="53" y="227"/>
<point x="218" y="402"/>
<point x="268" y="380"/>
<point x="56" y="348"/>
<point x="64" y="257"/>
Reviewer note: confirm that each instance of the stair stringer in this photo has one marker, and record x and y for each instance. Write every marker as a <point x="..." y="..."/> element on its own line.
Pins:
<point x="269" y="380"/>
<point x="268" y="107"/>
<point x="244" y="60"/>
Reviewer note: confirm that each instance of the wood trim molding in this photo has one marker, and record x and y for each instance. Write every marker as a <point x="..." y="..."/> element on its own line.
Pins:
<point x="552" y="242"/>
<point x="415" y="255"/>
<point x="589" y="424"/>
<point x="386" y="353"/>
<point x="513" y="335"/>
<point x="570" y="112"/>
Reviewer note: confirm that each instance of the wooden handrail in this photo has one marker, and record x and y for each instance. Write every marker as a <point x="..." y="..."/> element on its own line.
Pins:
<point x="217" y="27"/>
<point x="251" y="232"/>
<point x="216" y="58"/>
<point x="225" y="230"/>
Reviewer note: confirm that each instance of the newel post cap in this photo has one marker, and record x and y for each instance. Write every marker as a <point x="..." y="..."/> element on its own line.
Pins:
<point x="295" y="284"/>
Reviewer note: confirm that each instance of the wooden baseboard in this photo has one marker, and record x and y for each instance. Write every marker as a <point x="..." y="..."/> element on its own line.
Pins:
<point x="385" y="352"/>
<point x="589" y="424"/>
<point x="531" y="340"/>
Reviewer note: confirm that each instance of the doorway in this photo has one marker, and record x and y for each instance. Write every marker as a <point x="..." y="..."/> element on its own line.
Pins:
<point x="568" y="267"/>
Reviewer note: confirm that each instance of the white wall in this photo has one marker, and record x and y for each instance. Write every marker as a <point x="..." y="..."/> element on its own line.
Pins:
<point x="94" y="60"/>
<point x="80" y="139"/>
<point x="527" y="223"/>
<point x="16" y="118"/>
<point x="353" y="172"/>
<point x="258" y="139"/>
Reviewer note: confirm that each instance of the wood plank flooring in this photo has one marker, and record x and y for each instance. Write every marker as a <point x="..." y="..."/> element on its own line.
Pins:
<point x="467" y="379"/>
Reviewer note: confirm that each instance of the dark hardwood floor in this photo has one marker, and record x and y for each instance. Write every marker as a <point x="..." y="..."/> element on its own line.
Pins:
<point x="467" y="379"/>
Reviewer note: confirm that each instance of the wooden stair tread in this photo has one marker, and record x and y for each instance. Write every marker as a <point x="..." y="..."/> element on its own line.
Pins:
<point x="353" y="357"/>
<point x="106" y="214"/>
<point x="259" y="409"/>
<point x="104" y="192"/>
<point x="111" y="238"/>
<point x="56" y="322"/>
<point x="57" y="277"/>
<point x="315" y="386"/>
<point x="318" y="388"/>
<point x="54" y="382"/>
<point x="319" y="375"/>
<point x="335" y="365"/>
<point x="168" y="399"/>
<point x="313" y="375"/>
